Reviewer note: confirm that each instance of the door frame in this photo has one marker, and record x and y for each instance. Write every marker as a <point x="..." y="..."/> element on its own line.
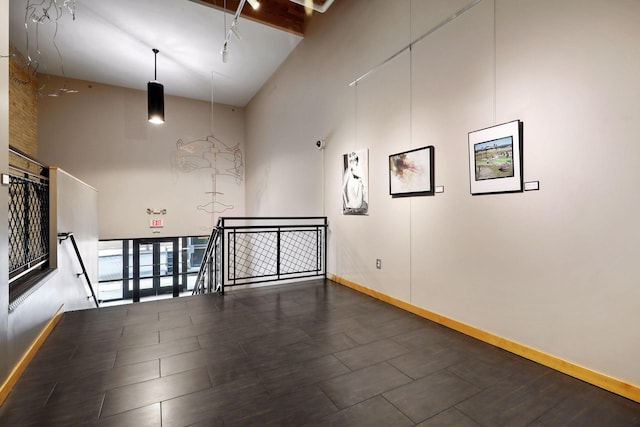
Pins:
<point x="156" y="289"/>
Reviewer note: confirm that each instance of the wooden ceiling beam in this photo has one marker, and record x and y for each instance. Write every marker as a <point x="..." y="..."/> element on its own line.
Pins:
<point x="282" y="14"/>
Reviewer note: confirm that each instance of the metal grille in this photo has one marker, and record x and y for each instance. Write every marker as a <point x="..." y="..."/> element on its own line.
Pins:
<point x="253" y="254"/>
<point x="263" y="249"/>
<point x="28" y="223"/>
<point x="217" y="275"/>
<point x="300" y="251"/>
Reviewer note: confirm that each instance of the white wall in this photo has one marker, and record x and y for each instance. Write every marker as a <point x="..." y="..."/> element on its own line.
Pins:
<point x="101" y="135"/>
<point x="76" y="210"/>
<point x="552" y="269"/>
<point x="4" y="193"/>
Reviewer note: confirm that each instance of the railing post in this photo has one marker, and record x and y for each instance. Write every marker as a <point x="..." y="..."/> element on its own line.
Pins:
<point x="278" y="252"/>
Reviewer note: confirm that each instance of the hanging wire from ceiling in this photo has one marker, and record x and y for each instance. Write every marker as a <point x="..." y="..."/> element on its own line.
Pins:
<point x="39" y="13"/>
<point x="215" y="156"/>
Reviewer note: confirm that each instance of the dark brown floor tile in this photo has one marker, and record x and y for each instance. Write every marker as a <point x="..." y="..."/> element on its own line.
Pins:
<point x="230" y="370"/>
<point x="430" y="395"/>
<point x="141" y="339"/>
<point x="278" y="337"/>
<point x="213" y="402"/>
<point x="190" y="330"/>
<point x="74" y="367"/>
<point x="181" y="320"/>
<point x="200" y="358"/>
<point x="372" y="331"/>
<point x="154" y="391"/>
<point x="592" y="407"/>
<point x="293" y="409"/>
<point x="518" y="400"/>
<point x="69" y="390"/>
<point x="449" y="418"/>
<point x="55" y="415"/>
<point x="358" y="386"/>
<point x="132" y="355"/>
<point x="209" y="422"/>
<point x="288" y="378"/>
<point x="370" y="354"/>
<point x="148" y="416"/>
<point x="423" y="338"/>
<point x="483" y="373"/>
<point x="273" y="356"/>
<point x="320" y="345"/>
<point x="27" y="395"/>
<point x="421" y="363"/>
<point x="376" y="411"/>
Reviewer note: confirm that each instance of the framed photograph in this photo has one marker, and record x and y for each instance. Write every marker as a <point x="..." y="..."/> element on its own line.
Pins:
<point x="355" y="183"/>
<point x="411" y="173"/>
<point x="495" y="159"/>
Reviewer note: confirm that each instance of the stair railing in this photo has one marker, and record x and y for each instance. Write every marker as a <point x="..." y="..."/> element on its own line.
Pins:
<point x="251" y="250"/>
<point x="64" y="236"/>
<point x="208" y="268"/>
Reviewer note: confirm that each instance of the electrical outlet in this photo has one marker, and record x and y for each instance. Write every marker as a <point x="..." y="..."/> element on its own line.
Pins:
<point x="378" y="264"/>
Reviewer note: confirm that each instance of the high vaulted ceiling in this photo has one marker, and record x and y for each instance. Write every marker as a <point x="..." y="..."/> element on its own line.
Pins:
<point x="111" y="42"/>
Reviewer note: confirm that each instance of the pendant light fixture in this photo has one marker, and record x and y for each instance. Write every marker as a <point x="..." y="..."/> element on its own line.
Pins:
<point x="155" y="95"/>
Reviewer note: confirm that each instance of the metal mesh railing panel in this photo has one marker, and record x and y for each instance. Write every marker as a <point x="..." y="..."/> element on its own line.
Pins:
<point x="300" y="251"/>
<point x="252" y="254"/>
<point x="28" y="223"/>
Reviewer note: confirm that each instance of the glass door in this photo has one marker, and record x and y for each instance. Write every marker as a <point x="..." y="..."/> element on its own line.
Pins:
<point x="153" y="272"/>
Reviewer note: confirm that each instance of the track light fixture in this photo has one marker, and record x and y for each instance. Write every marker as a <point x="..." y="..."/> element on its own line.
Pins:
<point x="225" y="53"/>
<point x="155" y="95"/>
<point x="234" y="27"/>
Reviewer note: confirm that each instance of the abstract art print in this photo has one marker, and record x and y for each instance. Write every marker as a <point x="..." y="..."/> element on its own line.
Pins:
<point x="411" y="173"/>
<point x="495" y="159"/>
<point x="355" y="183"/>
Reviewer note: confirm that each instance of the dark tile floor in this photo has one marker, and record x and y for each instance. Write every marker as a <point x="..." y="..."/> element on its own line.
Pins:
<point x="314" y="354"/>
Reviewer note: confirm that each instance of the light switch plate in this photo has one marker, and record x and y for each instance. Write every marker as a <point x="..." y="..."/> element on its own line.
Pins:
<point x="6" y="179"/>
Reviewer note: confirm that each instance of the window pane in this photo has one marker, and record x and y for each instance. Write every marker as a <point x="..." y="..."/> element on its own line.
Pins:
<point x="108" y="291"/>
<point x="110" y="260"/>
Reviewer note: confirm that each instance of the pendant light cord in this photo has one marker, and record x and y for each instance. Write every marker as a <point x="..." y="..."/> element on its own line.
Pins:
<point x="155" y="64"/>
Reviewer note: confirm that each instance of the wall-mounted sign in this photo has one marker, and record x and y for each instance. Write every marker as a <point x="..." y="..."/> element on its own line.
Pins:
<point x="156" y="223"/>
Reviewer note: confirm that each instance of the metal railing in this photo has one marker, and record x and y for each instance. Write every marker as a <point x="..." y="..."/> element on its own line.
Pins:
<point x="28" y="215"/>
<point x="64" y="236"/>
<point x="248" y="250"/>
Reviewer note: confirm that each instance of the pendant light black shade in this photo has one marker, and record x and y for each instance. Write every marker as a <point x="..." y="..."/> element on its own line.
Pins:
<point x="155" y="96"/>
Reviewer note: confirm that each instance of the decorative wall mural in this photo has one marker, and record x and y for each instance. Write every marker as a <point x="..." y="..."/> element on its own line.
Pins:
<point x="219" y="158"/>
<point x="355" y="183"/>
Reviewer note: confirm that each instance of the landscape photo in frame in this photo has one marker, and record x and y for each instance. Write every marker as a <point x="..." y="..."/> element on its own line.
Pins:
<point x="495" y="159"/>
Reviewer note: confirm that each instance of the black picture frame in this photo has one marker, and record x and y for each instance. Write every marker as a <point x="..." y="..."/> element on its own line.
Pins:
<point x="495" y="159"/>
<point x="411" y="173"/>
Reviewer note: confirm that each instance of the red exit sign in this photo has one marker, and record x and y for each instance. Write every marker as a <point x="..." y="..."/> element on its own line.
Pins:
<point x="156" y="223"/>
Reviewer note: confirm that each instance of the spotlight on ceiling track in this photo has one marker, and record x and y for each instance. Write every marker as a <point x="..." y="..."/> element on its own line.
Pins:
<point x="235" y="31"/>
<point x="254" y="4"/>
<point x="155" y="95"/>
<point x="225" y="53"/>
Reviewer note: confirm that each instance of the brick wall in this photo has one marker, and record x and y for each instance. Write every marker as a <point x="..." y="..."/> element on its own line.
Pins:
<point x="23" y="106"/>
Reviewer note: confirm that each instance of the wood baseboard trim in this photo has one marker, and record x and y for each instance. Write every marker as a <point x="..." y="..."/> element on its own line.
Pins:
<point x="22" y="364"/>
<point x="614" y="385"/>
